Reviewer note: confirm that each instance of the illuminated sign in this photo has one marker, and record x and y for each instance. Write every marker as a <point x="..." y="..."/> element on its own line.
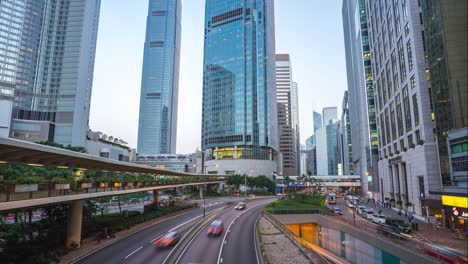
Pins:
<point x="456" y="201"/>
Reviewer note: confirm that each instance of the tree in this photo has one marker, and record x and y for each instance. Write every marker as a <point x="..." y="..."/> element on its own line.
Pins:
<point x="235" y="180"/>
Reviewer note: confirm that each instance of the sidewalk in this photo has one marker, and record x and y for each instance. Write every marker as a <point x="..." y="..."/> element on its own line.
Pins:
<point x="427" y="231"/>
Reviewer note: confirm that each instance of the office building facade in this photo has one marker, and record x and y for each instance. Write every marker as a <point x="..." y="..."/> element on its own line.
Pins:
<point x="345" y="145"/>
<point x="327" y="149"/>
<point x="157" y="127"/>
<point x="239" y="122"/>
<point x="361" y="94"/>
<point x="407" y="150"/>
<point x="317" y="121"/>
<point x="287" y="115"/>
<point x="47" y="58"/>
<point x="329" y="113"/>
<point x="445" y="31"/>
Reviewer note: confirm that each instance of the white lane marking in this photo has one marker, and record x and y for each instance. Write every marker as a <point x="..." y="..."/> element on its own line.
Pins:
<point x="221" y="260"/>
<point x="184" y="223"/>
<point x="255" y="238"/>
<point x="133" y="252"/>
<point x="229" y="227"/>
<point x="155" y="239"/>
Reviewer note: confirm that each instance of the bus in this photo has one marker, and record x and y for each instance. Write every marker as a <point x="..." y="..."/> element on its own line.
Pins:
<point x="331" y="198"/>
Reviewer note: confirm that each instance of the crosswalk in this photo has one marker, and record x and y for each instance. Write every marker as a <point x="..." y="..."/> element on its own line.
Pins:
<point x="210" y="204"/>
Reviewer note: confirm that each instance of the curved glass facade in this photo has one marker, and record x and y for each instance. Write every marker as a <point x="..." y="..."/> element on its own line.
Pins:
<point x="157" y="128"/>
<point x="239" y="93"/>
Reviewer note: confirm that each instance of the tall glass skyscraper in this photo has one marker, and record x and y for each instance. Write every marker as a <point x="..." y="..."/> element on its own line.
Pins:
<point x="157" y="128"/>
<point x="47" y="53"/>
<point x="239" y="124"/>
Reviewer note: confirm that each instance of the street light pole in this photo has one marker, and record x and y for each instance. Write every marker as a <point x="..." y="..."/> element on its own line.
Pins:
<point x="204" y="194"/>
<point x="245" y="185"/>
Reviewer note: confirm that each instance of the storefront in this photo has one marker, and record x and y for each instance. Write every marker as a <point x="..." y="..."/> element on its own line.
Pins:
<point x="456" y="212"/>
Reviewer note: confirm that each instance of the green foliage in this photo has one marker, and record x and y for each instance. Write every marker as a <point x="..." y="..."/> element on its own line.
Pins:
<point x="300" y="201"/>
<point x="69" y="147"/>
<point x="25" y="180"/>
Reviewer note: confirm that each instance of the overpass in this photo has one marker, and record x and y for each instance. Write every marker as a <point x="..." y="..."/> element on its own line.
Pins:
<point x="322" y="181"/>
<point x="24" y="196"/>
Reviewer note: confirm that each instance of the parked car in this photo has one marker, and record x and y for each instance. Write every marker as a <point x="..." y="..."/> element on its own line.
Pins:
<point x="168" y="239"/>
<point x="133" y="201"/>
<point x="240" y="206"/>
<point x="216" y="228"/>
<point x="445" y="254"/>
<point x="337" y="210"/>
<point x="360" y="209"/>
<point x="368" y="214"/>
<point x="378" y="219"/>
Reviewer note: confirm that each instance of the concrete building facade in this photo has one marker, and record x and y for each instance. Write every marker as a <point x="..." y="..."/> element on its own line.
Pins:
<point x="407" y="150"/>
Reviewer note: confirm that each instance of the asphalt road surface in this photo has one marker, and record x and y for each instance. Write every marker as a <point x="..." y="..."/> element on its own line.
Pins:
<point x="237" y="238"/>
<point x="138" y="248"/>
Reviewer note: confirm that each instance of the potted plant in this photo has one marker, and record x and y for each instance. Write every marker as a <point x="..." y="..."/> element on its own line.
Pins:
<point x="392" y="201"/>
<point x="129" y="180"/>
<point x="408" y="205"/>
<point x="86" y="182"/>
<point x="61" y="183"/>
<point x="23" y="184"/>
<point x="421" y="142"/>
<point x="399" y="203"/>
<point x="405" y="149"/>
<point x="412" y="145"/>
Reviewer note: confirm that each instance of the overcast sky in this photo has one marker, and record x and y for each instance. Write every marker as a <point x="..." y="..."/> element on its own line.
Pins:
<point x="311" y="31"/>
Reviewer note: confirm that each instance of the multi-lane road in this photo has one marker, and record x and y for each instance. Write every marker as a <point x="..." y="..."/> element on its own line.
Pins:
<point x="235" y="245"/>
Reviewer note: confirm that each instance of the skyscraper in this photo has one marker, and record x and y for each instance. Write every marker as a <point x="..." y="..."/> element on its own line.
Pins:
<point x="317" y="121"/>
<point x="329" y="113"/>
<point x="344" y="140"/>
<point x="445" y="28"/>
<point x="287" y="115"/>
<point x="47" y="68"/>
<point x="239" y="122"/>
<point x="407" y="150"/>
<point x="157" y="128"/>
<point x="295" y="112"/>
<point x="326" y="149"/>
<point x="361" y="94"/>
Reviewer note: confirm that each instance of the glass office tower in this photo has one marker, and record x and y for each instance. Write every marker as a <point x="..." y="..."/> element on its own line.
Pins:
<point x="47" y="53"/>
<point x="157" y="128"/>
<point x="239" y="124"/>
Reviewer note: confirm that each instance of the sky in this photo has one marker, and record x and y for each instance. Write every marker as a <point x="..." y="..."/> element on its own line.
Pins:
<point x="311" y="31"/>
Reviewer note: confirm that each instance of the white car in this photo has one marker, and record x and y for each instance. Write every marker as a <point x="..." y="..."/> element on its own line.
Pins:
<point x="360" y="209"/>
<point x="368" y="214"/>
<point x="378" y="219"/>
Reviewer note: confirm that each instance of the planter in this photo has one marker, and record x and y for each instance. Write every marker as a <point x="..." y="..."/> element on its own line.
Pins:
<point x="103" y="185"/>
<point x="86" y="185"/>
<point x="62" y="186"/>
<point x="23" y="188"/>
<point x="139" y="184"/>
<point x="129" y="184"/>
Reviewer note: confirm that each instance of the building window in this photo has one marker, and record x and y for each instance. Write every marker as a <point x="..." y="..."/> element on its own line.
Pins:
<point x="407" y="109"/>
<point x="418" y="136"/>
<point x="389" y="79"/>
<point x="410" y="141"/>
<point x="402" y="144"/>
<point x="407" y="30"/>
<point x="387" y="126"/>
<point x="413" y="82"/>
<point x="395" y="72"/>
<point x="401" y="58"/>
<point x="399" y="116"/>
<point x="409" y="51"/>
<point x="422" y="192"/>
<point x="415" y="110"/>
<point x="392" y="121"/>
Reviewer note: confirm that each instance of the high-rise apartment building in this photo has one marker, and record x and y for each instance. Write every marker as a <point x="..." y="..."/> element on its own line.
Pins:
<point x="295" y="112"/>
<point x="310" y="143"/>
<point x="445" y="31"/>
<point x="157" y="128"/>
<point x="329" y="113"/>
<point x="239" y="122"/>
<point x="361" y="94"/>
<point x="407" y="150"/>
<point x="47" y="63"/>
<point x="286" y="96"/>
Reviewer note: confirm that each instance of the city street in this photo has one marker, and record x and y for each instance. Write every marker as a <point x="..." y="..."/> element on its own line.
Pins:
<point x="235" y="245"/>
<point x="139" y="248"/>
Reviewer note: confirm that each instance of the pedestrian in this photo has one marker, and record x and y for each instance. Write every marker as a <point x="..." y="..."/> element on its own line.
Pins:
<point x="380" y="211"/>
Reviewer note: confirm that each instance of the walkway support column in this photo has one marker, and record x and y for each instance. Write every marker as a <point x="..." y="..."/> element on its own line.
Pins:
<point x="156" y="198"/>
<point x="75" y="215"/>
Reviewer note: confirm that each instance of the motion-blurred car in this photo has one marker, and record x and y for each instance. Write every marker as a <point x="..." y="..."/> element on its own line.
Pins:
<point x="337" y="210"/>
<point x="240" y="206"/>
<point x="399" y="225"/>
<point x="445" y="254"/>
<point x="169" y="239"/>
<point x="216" y="228"/>
<point x="360" y="209"/>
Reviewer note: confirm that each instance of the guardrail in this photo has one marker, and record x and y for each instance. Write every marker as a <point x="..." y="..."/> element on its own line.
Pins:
<point x="400" y="243"/>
